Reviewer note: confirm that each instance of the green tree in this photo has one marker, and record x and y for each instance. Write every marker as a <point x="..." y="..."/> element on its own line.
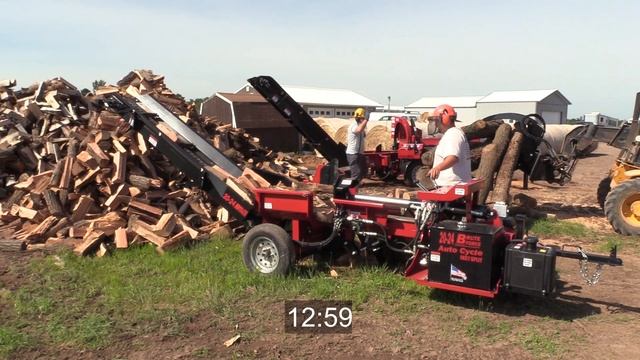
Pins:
<point x="98" y="83"/>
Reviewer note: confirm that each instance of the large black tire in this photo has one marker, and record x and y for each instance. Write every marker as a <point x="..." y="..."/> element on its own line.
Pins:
<point x="603" y="190"/>
<point x="268" y="249"/>
<point x="619" y="205"/>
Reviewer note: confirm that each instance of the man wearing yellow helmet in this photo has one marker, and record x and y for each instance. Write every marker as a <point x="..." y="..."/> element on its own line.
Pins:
<point x="355" y="145"/>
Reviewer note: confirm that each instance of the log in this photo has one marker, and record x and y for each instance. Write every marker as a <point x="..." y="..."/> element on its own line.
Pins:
<point x="505" y="173"/>
<point x="166" y="224"/>
<point x="144" y="230"/>
<point x="179" y="239"/>
<point x="486" y="168"/>
<point x="12" y="245"/>
<point x="80" y="209"/>
<point x="96" y="152"/>
<point x="482" y="129"/>
<point x="146" y="208"/>
<point x="120" y="167"/>
<point x="121" y="238"/>
<point x="91" y="241"/>
<point x="53" y="202"/>
<point x="490" y="160"/>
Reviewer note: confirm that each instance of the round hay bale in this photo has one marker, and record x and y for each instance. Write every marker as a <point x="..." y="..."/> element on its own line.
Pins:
<point x="331" y="125"/>
<point x="341" y="134"/>
<point x="378" y="135"/>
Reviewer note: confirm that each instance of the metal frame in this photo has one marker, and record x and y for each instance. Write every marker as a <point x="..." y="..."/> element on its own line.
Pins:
<point x="299" y="119"/>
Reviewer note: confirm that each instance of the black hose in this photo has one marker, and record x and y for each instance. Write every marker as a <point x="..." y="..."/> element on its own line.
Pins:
<point x="334" y="233"/>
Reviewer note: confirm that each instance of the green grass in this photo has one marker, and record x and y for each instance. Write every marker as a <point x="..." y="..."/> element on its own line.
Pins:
<point x="482" y="329"/>
<point x="541" y="345"/>
<point x="553" y="227"/>
<point x="86" y="303"/>
<point x="12" y="340"/>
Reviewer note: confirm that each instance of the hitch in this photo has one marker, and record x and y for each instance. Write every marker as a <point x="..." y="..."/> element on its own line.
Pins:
<point x="591" y="278"/>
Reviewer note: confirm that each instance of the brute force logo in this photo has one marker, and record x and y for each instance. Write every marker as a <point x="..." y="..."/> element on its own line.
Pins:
<point x="466" y="245"/>
<point x="235" y="204"/>
<point x="459" y="239"/>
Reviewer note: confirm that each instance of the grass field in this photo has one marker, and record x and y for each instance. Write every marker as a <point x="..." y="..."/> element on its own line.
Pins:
<point x="90" y="303"/>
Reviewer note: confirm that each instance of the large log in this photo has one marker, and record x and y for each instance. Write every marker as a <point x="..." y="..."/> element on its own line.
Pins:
<point x="490" y="160"/>
<point x="505" y="174"/>
<point x="482" y="129"/>
<point x="12" y="245"/>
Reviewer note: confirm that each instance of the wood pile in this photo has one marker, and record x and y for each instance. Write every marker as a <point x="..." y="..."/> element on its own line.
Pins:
<point x="73" y="174"/>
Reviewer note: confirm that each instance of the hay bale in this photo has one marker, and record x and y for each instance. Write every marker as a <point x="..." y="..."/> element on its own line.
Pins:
<point x="378" y="135"/>
<point x="341" y="134"/>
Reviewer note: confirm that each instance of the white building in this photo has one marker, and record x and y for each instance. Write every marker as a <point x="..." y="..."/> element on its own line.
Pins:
<point x="601" y="119"/>
<point x="323" y="102"/>
<point x="465" y="106"/>
<point x="550" y="104"/>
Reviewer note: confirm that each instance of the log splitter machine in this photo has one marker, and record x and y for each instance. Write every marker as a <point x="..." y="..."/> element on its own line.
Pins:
<point x="445" y="238"/>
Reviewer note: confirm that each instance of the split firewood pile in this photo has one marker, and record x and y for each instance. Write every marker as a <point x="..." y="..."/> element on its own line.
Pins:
<point x="73" y="174"/>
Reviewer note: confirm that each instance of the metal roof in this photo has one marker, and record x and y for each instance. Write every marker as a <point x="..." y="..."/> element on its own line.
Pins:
<point x="521" y="96"/>
<point x="455" y="101"/>
<point x="248" y="97"/>
<point x="322" y="96"/>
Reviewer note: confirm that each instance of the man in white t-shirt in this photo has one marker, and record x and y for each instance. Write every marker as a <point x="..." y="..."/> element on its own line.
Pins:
<point x="355" y="145"/>
<point x="452" y="158"/>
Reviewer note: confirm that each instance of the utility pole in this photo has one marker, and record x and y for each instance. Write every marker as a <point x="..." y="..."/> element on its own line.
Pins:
<point x="389" y="103"/>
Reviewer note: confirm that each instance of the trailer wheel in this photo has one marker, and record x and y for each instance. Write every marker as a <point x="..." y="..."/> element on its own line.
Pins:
<point x="268" y="249"/>
<point x="603" y="190"/>
<point x="622" y="207"/>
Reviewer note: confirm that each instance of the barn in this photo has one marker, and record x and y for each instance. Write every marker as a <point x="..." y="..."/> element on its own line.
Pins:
<point x="250" y="111"/>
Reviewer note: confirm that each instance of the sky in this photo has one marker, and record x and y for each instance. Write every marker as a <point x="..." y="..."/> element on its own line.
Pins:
<point x="402" y="49"/>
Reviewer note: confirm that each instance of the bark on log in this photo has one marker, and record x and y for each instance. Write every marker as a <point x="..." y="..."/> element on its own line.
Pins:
<point x="12" y="245"/>
<point x="505" y="174"/>
<point x="53" y="202"/>
<point x="480" y="129"/>
<point x="490" y="160"/>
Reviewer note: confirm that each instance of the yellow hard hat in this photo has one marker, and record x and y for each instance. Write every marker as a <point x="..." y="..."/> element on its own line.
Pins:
<point x="359" y="113"/>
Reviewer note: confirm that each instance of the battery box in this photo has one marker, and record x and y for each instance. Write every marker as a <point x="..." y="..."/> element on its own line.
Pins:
<point x="530" y="271"/>
<point x="465" y="254"/>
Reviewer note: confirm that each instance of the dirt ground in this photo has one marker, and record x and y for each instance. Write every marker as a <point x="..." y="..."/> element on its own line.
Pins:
<point x="592" y="322"/>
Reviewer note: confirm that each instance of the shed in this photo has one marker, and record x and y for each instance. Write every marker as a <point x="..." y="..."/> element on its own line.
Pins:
<point x="250" y="111"/>
<point x="550" y="104"/>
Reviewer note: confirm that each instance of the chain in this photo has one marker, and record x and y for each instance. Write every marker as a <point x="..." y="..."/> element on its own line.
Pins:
<point x="590" y="279"/>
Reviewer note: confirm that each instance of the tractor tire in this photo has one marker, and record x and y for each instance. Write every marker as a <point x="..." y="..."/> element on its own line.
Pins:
<point x="619" y="207"/>
<point x="268" y="249"/>
<point x="603" y="190"/>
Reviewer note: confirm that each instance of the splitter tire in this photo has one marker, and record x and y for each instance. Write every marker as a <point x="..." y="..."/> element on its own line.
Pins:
<point x="268" y="249"/>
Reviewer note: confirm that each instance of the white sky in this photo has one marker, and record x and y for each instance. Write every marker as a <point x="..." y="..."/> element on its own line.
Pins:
<point x="403" y="49"/>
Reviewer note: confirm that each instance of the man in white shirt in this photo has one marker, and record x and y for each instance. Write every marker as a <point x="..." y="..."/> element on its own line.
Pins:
<point x="452" y="160"/>
<point x="355" y="145"/>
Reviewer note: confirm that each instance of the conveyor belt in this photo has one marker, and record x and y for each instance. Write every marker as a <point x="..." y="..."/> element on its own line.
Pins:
<point x="299" y="119"/>
<point x="192" y="161"/>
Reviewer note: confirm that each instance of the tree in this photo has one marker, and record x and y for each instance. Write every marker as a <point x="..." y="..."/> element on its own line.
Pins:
<point x="98" y="83"/>
<point x="197" y="102"/>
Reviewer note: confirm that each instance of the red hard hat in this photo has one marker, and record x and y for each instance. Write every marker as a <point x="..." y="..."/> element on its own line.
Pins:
<point x="446" y="113"/>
